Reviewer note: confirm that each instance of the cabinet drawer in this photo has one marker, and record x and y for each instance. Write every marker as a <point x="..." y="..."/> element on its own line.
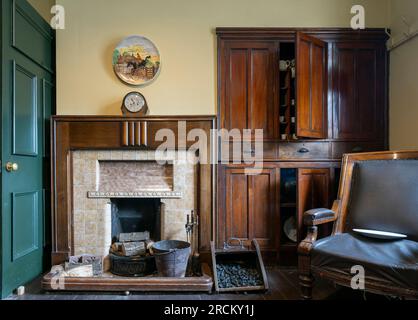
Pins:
<point x="304" y="150"/>
<point x="269" y="152"/>
<point x="341" y="148"/>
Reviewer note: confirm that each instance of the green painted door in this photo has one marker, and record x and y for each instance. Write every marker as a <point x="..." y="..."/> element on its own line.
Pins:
<point x="27" y="98"/>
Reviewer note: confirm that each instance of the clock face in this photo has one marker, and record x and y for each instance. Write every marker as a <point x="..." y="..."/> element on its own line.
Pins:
<point x="134" y="102"/>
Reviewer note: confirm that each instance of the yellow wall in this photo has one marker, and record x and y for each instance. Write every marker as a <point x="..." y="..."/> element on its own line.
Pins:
<point x="404" y="79"/>
<point x="43" y="7"/>
<point x="183" y="30"/>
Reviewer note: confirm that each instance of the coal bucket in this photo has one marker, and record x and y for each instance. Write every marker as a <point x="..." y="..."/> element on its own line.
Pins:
<point x="171" y="257"/>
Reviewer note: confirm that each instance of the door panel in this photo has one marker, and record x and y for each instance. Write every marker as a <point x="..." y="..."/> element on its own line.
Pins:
<point x="25" y="217"/>
<point x="237" y="109"/>
<point x="367" y="95"/>
<point x="248" y="86"/>
<point x="24" y="28"/>
<point x="26" y="102"/>
<point x="261" y="91"/>
<point x="262" y="203"/>
<point x="311" y="57"/>
<point x="250" y="210"/>
<point x="236" y="205"/>
<point x="359" y="83"/>
<point x="346" y="96"/>
<point x="25" y="131"/>
<point x="313" y="192"/>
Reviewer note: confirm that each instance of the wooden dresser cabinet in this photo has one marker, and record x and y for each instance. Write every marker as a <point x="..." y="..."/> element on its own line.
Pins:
<point x="317" y="94"/>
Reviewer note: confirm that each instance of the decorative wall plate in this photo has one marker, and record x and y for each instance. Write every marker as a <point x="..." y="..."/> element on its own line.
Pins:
<point x="136" y="60"/>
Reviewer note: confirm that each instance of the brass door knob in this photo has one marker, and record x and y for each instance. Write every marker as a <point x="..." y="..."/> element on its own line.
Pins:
<point x="10" y="167"/>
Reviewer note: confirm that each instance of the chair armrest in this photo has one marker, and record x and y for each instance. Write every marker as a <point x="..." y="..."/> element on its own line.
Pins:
<point x="317" y="217"/>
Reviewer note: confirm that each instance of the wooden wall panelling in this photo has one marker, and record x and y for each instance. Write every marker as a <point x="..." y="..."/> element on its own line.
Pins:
<point x="134" y="133"/>
<point x="359" y="87"/>
<point x="311" y="62"/>
<point x="248" y="200"/>
<point x="143" y="141"/>
<point x="313" y="192"/>
<point x="125" y="133"/>
<point x="249" y="87"/>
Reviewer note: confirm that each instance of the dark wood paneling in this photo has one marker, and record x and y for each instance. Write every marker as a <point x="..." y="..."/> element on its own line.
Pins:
<point x="359" y="89"/>
<point x="311" y="80"/>
<point x="313" y="192"/>
<point x="341" y="148"/>
<point x="304" y="151"/>
<point x="248" y="86"/>
<point x="263" y="203"/>
<point x="262" y="89"/>
<point x="250" y="152"/>
<point x="237" y="212"/>
<point x="237" y="100"/>
<point x="249" y="207"/>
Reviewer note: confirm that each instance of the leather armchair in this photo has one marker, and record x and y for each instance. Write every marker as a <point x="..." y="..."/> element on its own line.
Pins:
<point x="377" y="191"/>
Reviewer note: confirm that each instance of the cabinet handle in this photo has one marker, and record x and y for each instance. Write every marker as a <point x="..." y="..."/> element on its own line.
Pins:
<point x="357" y="149"/>
<point x="303" y="150"/>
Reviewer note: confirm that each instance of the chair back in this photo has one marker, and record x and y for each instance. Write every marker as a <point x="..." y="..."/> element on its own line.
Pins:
<point x="379" y="191"/>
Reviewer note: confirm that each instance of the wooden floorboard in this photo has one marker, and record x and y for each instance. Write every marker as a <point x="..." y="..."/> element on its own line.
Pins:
<point x="283" y="286"/>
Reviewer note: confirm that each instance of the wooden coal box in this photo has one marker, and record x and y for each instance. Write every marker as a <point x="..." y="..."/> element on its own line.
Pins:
<point x="240" y="267"/>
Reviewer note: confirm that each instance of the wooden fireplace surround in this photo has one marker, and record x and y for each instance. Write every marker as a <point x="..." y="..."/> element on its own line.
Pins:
<point x="70" y="133"/>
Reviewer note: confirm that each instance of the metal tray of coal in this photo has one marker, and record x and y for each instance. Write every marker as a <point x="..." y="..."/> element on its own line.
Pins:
<point x="238" y="267"/>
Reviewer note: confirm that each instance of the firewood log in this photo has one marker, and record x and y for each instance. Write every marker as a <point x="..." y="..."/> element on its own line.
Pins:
<point x="116" y="247"/>
<point x="130" y="249"/>
<point x="134" y="236"/>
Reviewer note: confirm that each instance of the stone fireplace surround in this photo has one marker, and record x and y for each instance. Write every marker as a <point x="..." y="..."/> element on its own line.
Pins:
<point x="133" y="174"/>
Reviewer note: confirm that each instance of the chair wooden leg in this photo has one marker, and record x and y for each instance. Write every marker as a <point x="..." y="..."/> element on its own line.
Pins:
<point x="306" y="285"/>
<point x="306" y="279"/>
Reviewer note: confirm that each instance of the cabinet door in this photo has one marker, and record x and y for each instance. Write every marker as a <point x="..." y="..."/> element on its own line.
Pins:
<point x="250" y="210"/>
<point x="313" y="192"/>
<point x="311" y="87"/>
<point x="248" y="86"/>
<point x="359" y="90"/>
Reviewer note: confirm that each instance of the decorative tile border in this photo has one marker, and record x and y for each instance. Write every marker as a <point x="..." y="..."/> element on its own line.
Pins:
<point x="141" y="194"/>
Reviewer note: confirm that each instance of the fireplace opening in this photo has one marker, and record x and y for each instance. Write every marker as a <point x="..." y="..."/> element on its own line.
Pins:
<point x="136" y="224"/>
<point x="135" y="216"/>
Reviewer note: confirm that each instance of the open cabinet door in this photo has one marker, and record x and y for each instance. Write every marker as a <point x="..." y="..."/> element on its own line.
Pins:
<point x="311" y="86"/>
